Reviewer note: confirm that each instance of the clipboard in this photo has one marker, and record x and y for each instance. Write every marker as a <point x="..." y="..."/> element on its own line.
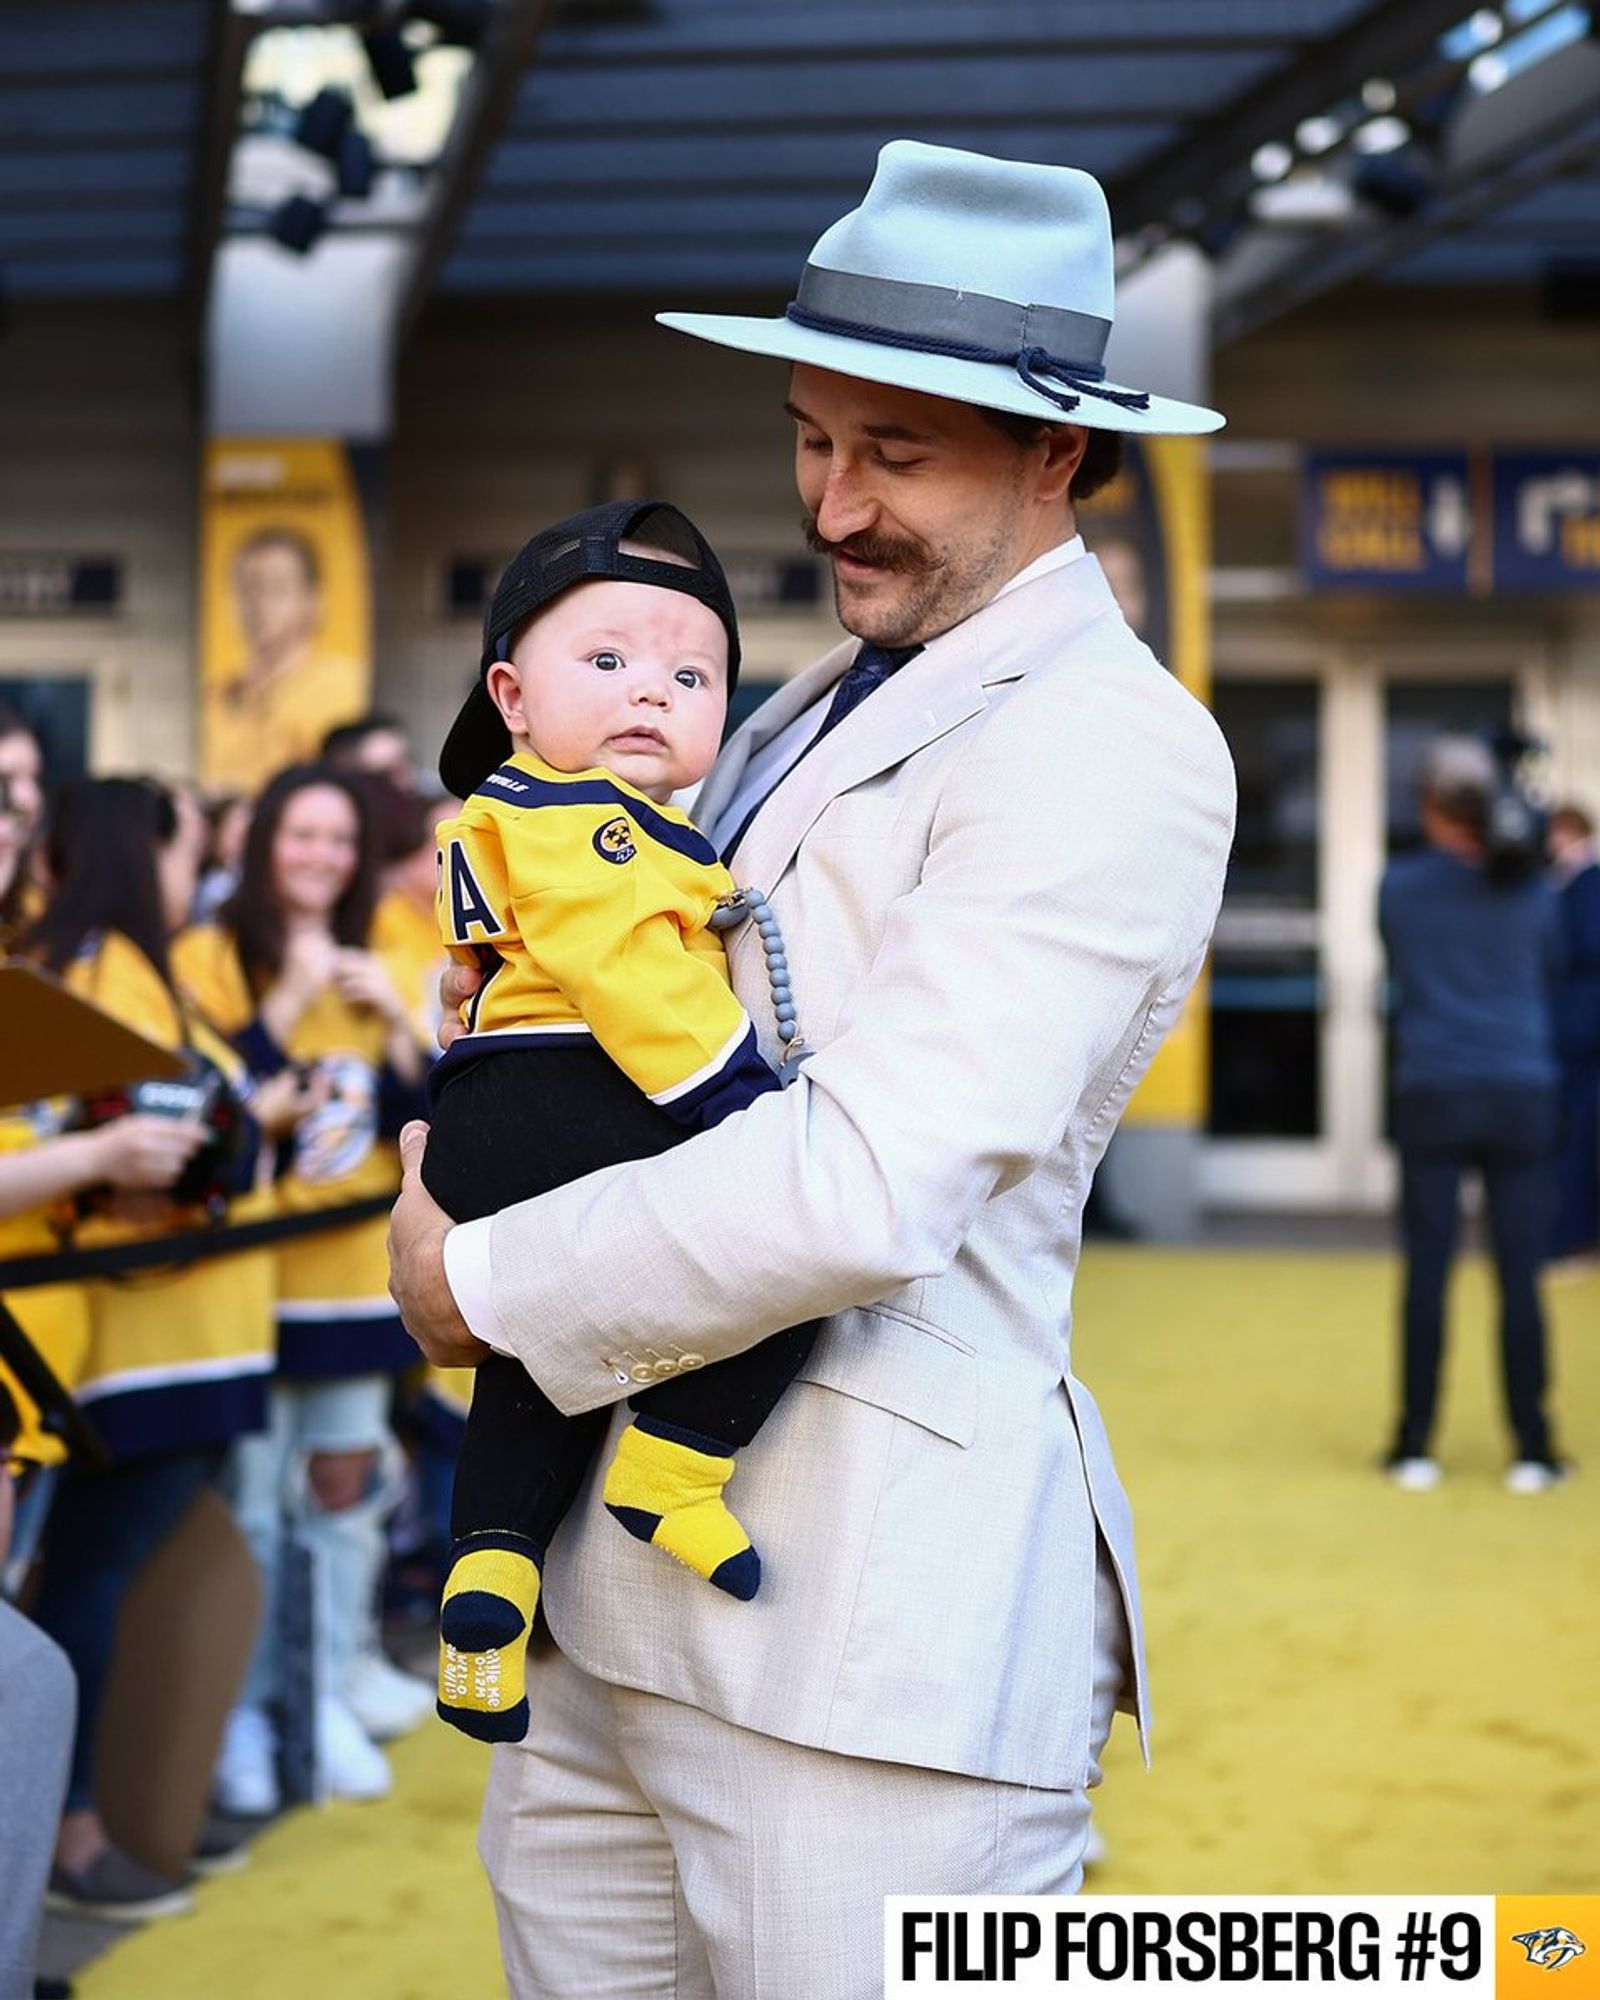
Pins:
<point x="52" y="1044"/>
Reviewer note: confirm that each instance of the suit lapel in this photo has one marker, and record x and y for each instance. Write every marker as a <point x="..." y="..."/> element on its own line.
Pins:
<point x="773" y="716"/>
<point x="930" y="696"/>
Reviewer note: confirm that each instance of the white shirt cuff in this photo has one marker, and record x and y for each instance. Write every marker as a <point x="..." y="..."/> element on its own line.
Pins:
<point x="466" y="1272"/>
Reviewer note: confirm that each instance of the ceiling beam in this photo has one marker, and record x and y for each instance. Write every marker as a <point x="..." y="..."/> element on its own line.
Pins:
<point x="817" y="91"/>
<point x="1385" y="38"/>
<point x="935" y="27"/>
<point x="487" y="102"/>
<point x="229" y="41"/>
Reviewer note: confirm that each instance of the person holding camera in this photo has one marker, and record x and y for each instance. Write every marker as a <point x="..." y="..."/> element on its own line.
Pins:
<point x="176" y="1363"/>
<point x="1470" y="929"/>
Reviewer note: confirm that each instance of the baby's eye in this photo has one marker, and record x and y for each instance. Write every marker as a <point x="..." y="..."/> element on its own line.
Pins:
<point x="689" y="677"/>
<point x="608" y="662"/>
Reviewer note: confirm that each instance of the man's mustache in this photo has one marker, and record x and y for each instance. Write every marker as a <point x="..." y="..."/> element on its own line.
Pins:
<point x="882" y="551"/>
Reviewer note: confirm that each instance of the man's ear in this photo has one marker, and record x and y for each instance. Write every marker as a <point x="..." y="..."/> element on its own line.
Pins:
<point x="505" y="691"/>
<point x="1064" y="446"/>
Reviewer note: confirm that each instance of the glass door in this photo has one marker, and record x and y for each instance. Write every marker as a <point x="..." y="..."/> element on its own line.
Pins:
<point x="1327" y="759"/>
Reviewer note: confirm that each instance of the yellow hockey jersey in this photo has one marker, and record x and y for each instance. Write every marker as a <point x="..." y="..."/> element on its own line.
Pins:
<point x="54" y="1317"/>
<point x="334" y="1313"/>
<point x="589" y="906"/>
<point x="174" y="1357"/>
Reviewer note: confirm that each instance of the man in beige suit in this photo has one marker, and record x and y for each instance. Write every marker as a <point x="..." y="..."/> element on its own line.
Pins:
<point x="996" y="876"/>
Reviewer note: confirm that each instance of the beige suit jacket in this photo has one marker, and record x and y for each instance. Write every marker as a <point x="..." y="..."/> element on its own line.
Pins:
<point x="996" y="882"/>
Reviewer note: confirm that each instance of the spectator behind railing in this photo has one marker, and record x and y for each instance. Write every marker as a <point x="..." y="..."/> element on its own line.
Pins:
<point x="286" y="973"/>
<point x="175" y="1365"/>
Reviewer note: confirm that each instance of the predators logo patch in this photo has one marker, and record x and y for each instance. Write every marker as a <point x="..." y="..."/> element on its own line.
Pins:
<point x="614" y="841"/>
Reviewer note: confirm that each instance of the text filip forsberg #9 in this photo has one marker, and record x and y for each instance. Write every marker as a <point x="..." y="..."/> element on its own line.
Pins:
<point x="1048" y="1944"/>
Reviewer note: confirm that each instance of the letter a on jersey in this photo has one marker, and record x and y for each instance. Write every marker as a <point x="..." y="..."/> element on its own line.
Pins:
<point x="469" y="907"/>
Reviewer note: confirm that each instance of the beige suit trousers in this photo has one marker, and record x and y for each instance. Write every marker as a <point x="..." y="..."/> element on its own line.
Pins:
<point x="639" y="1849"/>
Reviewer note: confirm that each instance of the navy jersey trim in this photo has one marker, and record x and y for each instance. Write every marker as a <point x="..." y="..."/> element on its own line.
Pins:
<point x="744" y="1077"/>
<point x="520" y="788"/>
<point x="313" y="1348"/>
<point x="134" y="1422"/>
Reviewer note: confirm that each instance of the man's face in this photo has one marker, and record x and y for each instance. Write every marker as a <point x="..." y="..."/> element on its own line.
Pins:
<point x="923" y="506"/>
<point x="624" y="677"/>
<point x="279" y="605"/>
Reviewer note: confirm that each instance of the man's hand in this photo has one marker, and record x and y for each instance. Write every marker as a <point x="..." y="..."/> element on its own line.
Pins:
<point x="417" y="1229"/>
<point x="457" y="984"/>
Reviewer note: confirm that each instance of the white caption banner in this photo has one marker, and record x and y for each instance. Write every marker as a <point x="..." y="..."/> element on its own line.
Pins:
<point x="1380" y="1945"/>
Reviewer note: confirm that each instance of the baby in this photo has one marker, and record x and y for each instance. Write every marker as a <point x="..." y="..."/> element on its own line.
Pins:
<point x="605" y="1029"/>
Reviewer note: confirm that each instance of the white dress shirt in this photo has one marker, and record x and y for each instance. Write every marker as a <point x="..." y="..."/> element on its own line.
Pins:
<point x="466" y="1246"/>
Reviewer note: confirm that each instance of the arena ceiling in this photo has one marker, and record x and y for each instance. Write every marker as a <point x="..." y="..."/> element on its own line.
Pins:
<point x="697" y="147"/>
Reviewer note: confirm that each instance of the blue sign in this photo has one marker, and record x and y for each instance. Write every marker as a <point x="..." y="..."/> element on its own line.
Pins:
<point x="1547" y="521"/>
<point x="1386" y="521"/>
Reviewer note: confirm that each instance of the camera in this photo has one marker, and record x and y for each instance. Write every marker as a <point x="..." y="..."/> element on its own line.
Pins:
<point x="203" y="1094"/>
<point x="1514" y="826"/>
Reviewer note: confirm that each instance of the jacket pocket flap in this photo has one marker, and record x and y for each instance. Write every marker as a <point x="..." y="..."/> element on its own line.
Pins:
<point x="901" y="1365"/>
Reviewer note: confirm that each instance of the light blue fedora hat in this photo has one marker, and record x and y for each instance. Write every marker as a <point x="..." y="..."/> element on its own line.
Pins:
<point x="987" y="281"/>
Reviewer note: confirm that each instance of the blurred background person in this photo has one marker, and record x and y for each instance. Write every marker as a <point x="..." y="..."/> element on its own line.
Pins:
<point x="287" y="973"/>
<point x="227" y="823"/>
<point x="21" y="812"/>
<point x="175" y="1364"/>
<point x="1575" y="869"/>
<point x="37" y="1699"/>
<point x="1470" y="928"/>
<point x="376" y="744"/>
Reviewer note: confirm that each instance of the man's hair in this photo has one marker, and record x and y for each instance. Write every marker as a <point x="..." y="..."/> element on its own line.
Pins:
<point x="1578" y="818"/>
<point x="1102" y="455"/>
<point x="345" y="738"/>
<point x="1458" y="780"/>
<point x="300" y="546"/>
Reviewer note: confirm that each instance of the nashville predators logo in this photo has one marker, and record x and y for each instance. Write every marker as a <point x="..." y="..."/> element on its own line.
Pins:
<point x="1550" y="1948"/>
<point x="614" y="841"/>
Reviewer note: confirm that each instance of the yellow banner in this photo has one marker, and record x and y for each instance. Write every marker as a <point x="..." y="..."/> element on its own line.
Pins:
<point x="285" y="614"/>
<point x="1151" y="529"/>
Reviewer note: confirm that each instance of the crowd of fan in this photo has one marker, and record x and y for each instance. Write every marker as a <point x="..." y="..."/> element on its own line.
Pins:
<point x="287" y="945"/>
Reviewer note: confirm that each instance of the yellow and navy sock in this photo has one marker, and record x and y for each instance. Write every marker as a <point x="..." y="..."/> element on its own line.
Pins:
<point x="485" y="1617"/>
<point x="665" y="1486"/>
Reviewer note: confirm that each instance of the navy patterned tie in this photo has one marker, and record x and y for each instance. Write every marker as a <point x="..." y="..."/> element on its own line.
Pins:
<point x="870" y="668"/>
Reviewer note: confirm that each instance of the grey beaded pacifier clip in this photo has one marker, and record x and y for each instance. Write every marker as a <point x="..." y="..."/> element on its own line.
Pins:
<point x="752" y="903"/>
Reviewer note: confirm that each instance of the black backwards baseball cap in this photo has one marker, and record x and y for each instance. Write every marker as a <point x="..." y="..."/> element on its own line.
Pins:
<point x="577" y="550"/>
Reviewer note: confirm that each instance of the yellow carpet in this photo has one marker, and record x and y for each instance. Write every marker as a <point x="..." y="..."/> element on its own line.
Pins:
<point x="1357" y="1689"/>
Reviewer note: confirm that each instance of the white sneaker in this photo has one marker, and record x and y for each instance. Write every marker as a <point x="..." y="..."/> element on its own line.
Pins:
<point x="386" y="1702"/>
<point x="1413" y="1475"/>
<point x="351" y="1764"/>
<point x="246" y="1779"/>
<point x="1535" y="1475"/>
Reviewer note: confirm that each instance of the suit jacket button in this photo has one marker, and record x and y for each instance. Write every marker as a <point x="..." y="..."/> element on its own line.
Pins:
<point x="691" y="1361"/>
<point x="664" y="1367"/>
<point x="642" y="1373"/>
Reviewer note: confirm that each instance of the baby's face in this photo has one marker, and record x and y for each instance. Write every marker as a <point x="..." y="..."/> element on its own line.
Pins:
<point x="626" y="677"/>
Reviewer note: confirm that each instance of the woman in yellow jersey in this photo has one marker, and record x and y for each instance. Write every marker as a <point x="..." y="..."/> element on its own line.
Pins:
<point x="176" y="1364"/>
<point x="286" y="973"/>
